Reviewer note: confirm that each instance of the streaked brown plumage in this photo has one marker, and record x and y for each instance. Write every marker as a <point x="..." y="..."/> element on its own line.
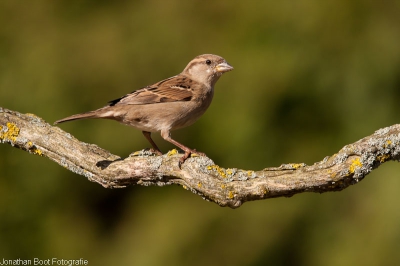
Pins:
<point x="167" y="105"/>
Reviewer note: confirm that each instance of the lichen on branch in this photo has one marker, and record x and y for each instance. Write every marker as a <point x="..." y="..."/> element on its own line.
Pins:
<point x="227" y="187"/>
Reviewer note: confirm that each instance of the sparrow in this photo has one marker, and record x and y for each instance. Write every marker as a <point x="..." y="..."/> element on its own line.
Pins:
<point x="167" y="105"/>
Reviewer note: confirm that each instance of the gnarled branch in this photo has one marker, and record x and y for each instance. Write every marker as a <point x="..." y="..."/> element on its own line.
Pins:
<point x="227" y="187"/>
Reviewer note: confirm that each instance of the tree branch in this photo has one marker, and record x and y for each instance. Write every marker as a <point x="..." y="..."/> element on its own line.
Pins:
<point x="227" y="187"/>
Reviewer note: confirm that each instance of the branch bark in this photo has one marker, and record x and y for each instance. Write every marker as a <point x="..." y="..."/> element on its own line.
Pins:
<point x="227" y="187"/>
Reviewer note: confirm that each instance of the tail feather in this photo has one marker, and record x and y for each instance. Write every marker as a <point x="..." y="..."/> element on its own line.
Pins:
<point x="92" y="114"/>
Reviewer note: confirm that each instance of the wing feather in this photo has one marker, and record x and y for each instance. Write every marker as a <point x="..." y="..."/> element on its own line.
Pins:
<point x="174" y="89"/>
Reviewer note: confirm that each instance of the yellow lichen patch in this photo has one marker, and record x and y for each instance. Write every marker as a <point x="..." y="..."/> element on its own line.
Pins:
<point x="388" y="142"/>
<point x="250" y="173"/>
<point x="136" y="153"/>
<point x="37" y="151"/>
<point x="33" y="149"/>
<point x="331" y="173"/>
<point x="223" y="186"/>
<point x="383" y="158"/>
<point x="355" y="163"/>
<point x="172" y="152"/>
<point x="229" y="171"/>
<point x="297" y="165"/>
<point x="185" y="187"/>
<point x="220" y="171"/>
<point x="11" y="134"/>
<point x="231" y="195"/>
<point x="199" y="185"/>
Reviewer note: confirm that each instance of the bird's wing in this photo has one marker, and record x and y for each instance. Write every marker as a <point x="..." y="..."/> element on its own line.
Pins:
<point x="174" y="89"/>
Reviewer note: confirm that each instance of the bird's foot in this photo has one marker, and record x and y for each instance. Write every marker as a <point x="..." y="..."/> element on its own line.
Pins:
<point x="156" y="152"/>
<point x="189" y="153"/>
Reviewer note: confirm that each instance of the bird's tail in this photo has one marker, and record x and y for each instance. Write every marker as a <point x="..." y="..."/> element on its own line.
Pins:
<point x="92" y="114"/>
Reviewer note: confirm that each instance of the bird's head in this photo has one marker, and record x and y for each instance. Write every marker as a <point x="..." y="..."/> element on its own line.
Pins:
<point x="207" y="68"/>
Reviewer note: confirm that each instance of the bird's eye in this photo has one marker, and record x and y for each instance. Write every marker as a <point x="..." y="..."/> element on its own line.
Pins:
<point x="208" y="62"/>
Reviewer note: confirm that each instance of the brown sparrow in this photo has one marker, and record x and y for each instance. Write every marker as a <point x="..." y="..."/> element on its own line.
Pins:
<point x="169" y="104"/>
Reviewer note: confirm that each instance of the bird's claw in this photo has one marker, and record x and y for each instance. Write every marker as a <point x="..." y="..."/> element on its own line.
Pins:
<point x="188" y="154"/>
<point x="156" y="152"/>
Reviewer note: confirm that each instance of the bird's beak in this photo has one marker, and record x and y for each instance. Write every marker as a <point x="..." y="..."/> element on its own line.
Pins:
<point x="223" y="67"/>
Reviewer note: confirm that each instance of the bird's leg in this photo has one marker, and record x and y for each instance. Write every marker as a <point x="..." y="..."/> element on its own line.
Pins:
<point x="155" y="149"/>
<point x="167" y="136"/>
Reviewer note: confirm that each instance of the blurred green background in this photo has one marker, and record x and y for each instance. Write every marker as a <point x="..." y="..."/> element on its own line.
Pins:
<point x="309" y="78"/>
